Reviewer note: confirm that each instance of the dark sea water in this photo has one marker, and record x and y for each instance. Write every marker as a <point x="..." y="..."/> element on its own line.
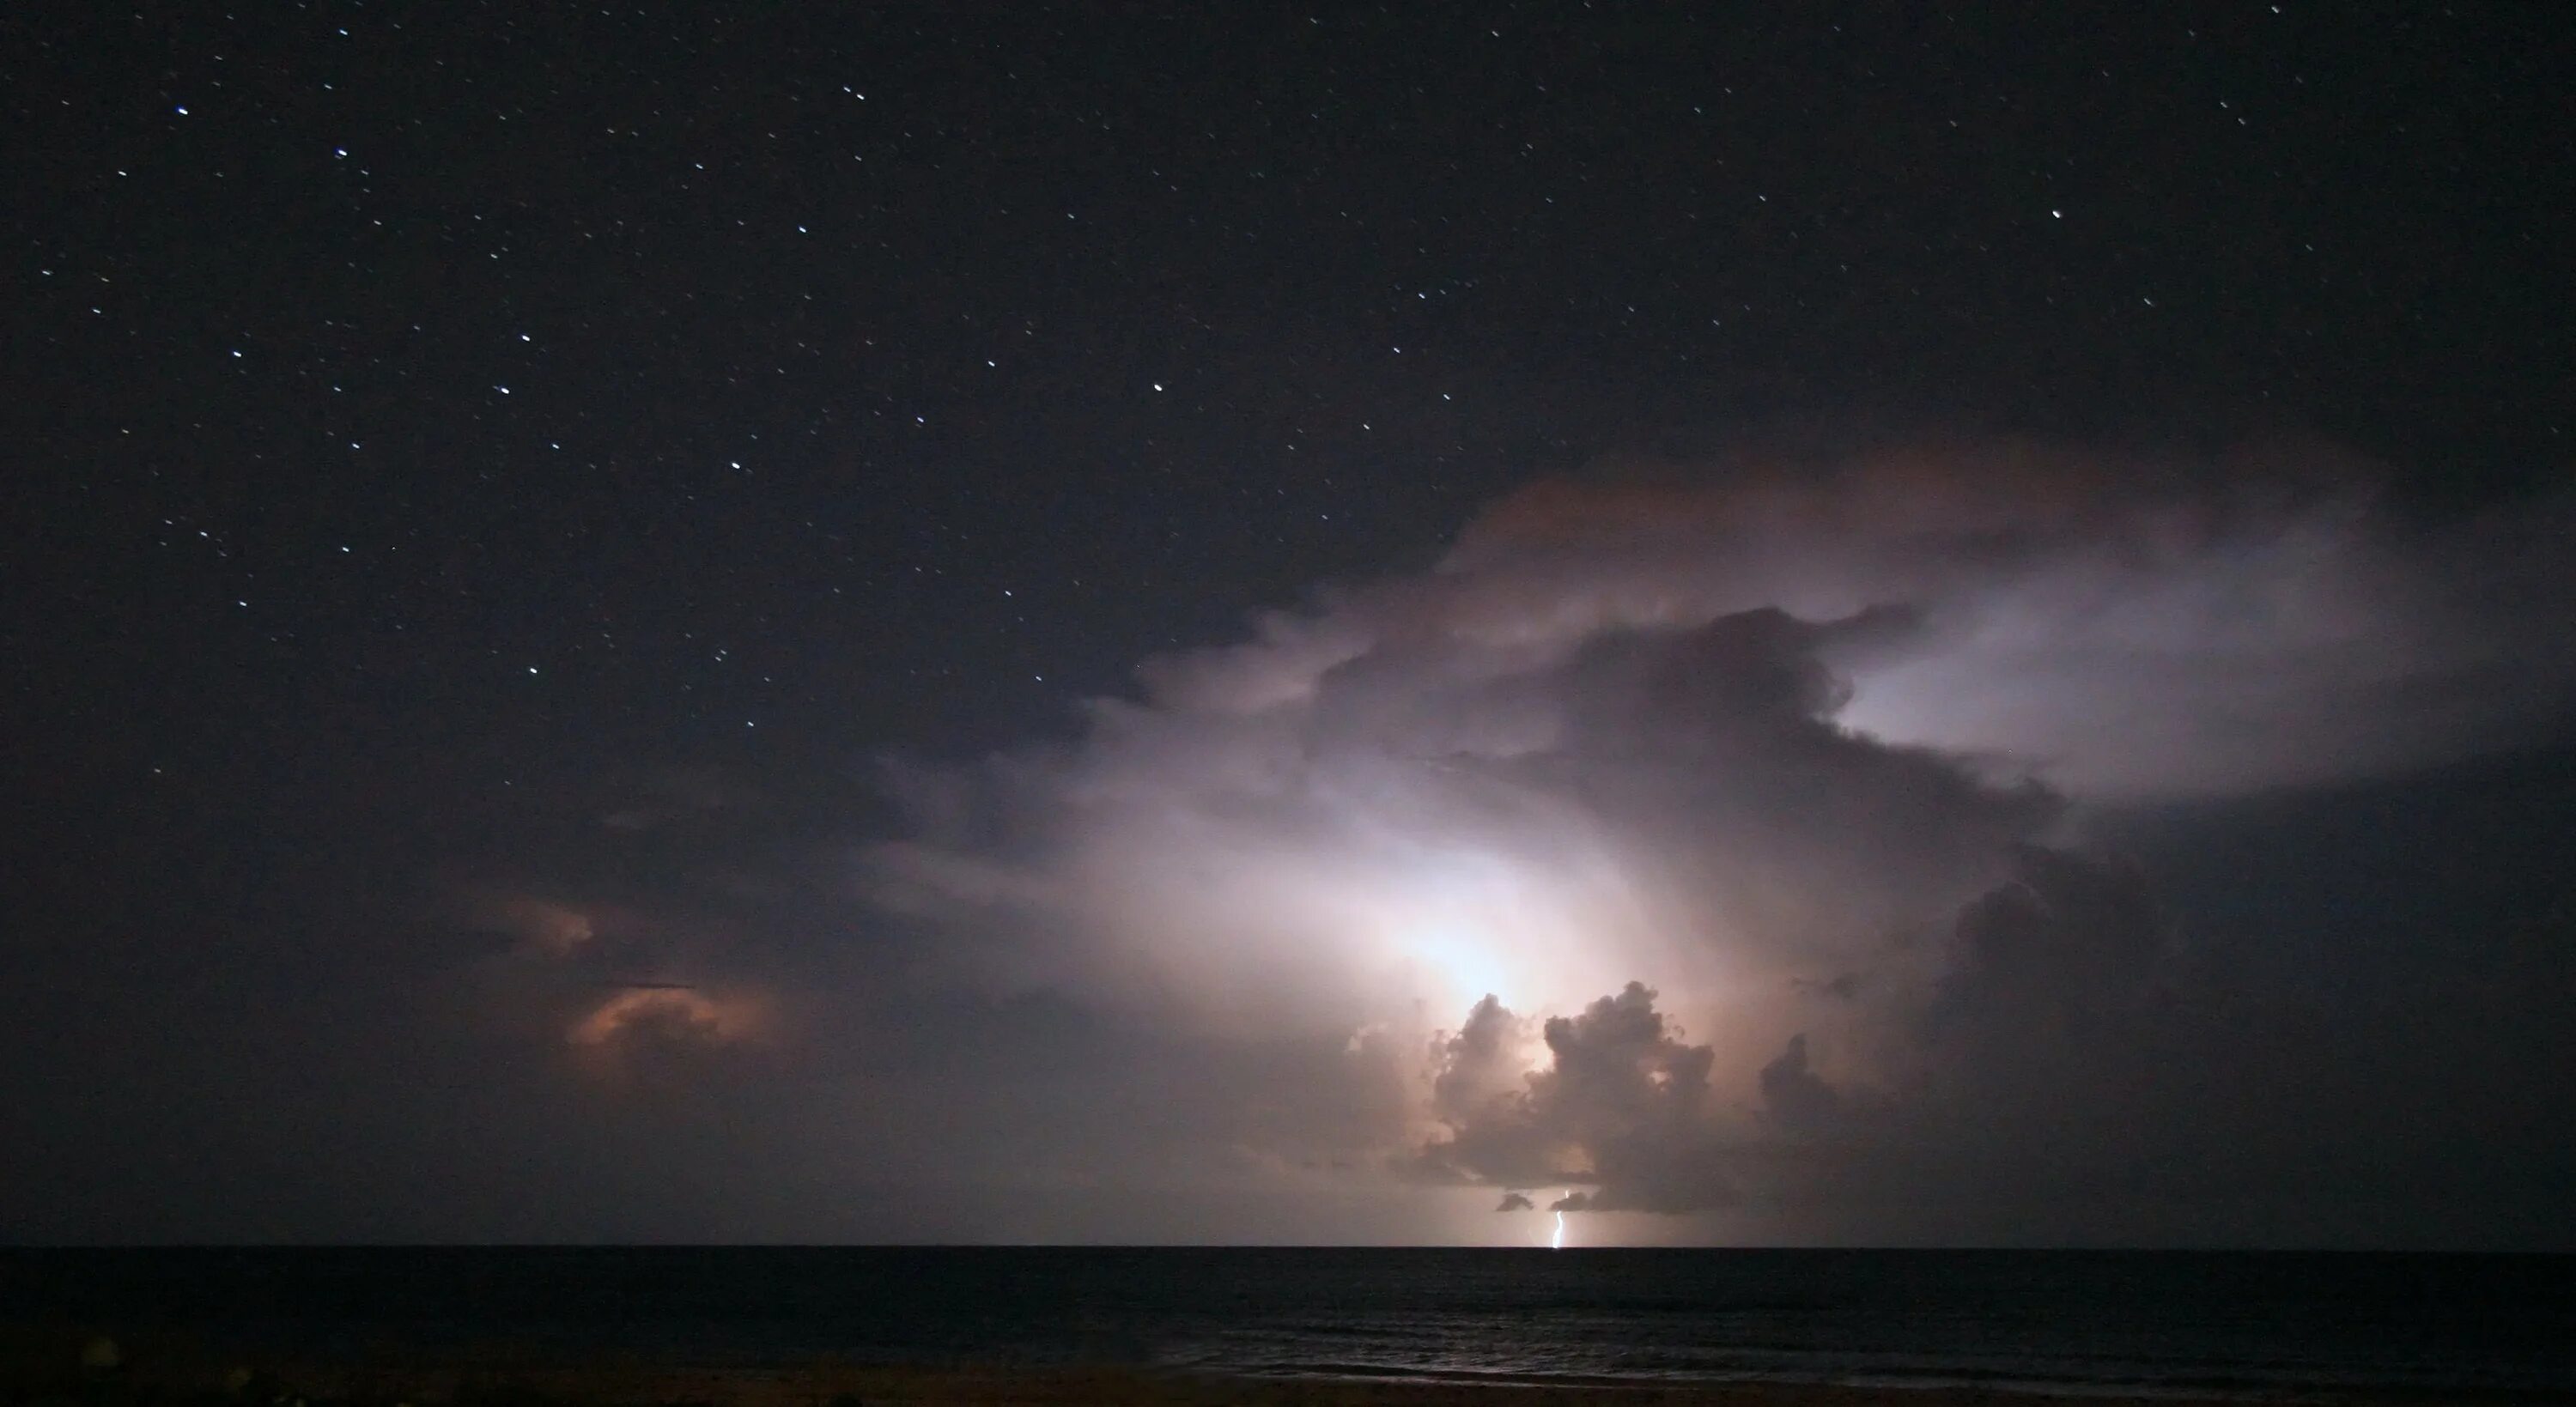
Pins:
<point x="2502" y="1325"/>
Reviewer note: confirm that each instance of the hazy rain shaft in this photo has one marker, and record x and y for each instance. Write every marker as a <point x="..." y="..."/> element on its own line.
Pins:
<point x="1710" y="838"/>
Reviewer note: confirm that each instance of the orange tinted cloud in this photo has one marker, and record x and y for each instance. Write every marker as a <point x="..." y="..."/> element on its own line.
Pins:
<point x="674" y="1015"/>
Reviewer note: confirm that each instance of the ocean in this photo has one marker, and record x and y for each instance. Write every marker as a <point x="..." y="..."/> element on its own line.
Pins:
<point x="2125" y="1321"/>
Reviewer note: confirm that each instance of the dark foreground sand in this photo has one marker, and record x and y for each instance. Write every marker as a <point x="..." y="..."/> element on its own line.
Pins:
<point x="56" y="1366"/>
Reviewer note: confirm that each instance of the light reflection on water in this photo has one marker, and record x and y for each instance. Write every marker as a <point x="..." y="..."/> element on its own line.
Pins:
<point x="2000" y="1319"/>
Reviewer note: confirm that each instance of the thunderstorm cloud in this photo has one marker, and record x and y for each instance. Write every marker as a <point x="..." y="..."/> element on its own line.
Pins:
<point x="1819" y="760"/>
<point x="1983" y="842"/>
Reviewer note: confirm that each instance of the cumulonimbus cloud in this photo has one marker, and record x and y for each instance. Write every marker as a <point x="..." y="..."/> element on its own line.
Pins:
<point x="1785" y="750"/>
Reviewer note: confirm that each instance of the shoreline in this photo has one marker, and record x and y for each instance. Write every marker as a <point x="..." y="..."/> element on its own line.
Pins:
<point x="43" y="1366"/>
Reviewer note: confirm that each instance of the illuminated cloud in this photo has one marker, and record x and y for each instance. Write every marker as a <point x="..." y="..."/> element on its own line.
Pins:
<point x="672" y="1016"/>
<point x="2114" y="623"/>
<point x="1643" y="857"/>
<point x="1620" y="1106"/>
<point x="574" y="970"/>
<point x="1795" y="745"/>
<point x="556" y="930"/>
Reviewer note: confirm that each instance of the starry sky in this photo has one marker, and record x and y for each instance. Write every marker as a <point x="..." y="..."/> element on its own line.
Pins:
<point x="905" y="623"/>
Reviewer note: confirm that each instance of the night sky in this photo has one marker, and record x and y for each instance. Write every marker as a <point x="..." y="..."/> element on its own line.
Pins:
<point x="991" y="623"/>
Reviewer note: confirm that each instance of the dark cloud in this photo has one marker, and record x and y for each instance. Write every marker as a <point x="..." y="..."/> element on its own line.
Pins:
<point x="2047" y="970"/>
<point x="1842" y="985"/>
<point x="1799" y="1100"/>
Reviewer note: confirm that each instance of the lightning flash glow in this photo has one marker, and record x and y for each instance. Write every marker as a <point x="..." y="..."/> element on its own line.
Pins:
<point x="1550" y="856"/>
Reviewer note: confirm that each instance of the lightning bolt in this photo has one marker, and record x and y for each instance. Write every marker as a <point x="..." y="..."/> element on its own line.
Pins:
<point x="1557" y="1242"/>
